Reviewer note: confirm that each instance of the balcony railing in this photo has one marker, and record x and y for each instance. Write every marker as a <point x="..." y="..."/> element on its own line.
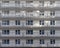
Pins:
<point x="32" y="26"/>
<point x="57" y="44"/>
<point x="35" y="44"/>
<point x="27" y="5"/>
<point x="34" y="35"/>
<point x="28" y="15"/>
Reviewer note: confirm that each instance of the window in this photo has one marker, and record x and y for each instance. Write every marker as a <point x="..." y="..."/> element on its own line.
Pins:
<point x="29" y="1"/>
<point x="17" y="11"/>
<point x="30" y="13"/>
<point x="52" y="32"/>
<point x="52" y="22"/>
<point x="5" y="1"/>
<point x="41" y="41"/>
<point x="5" y="32"/>
<point x="6" y="12"/>
<point x="41" y="32"/>
<point x="41" y="3"/>
<point x="41" y="13"/>
<point x="52" y="13"/>
<point x="17" y="2"/>
<point x="29" y="32"/>
<point x="29" y="41"/>
<point x="52" y="41"/>
<point x="29" y="22"/>
<point x="52" y="2"/>
<point x="41" y="22"/>
<point x="17" y="32"/>
<point x="5" y="22"/>
<point x="17" y="22"/>
<point x="5" y="41"/>
<point x="17" y="41"/>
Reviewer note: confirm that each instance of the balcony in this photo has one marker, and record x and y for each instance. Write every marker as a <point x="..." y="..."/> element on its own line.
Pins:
<point x="34" y="35"/>
<point x="25" y="15"/>
<point x="11" y="44"/>
<point x="19" y="5"/>
<point x="57" y="44"/>
<point x="57" y="35"/>
<point x="24" y="35"/>
<point x="7" y="5"/>
<point x="32" y="5"/>
<point x="28" y="15"/>
<point x="22" y="44"/>
<point x="10" y="15"/>
<point x="35" y="44"/>
<point x="15" y="5"/>
<point x="29" y="26"/>
<point x="11" y="35"/>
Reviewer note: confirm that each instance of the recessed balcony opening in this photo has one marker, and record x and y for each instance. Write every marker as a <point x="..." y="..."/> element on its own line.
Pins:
<point x="5" y="1"/>
<point x="41" y="3"/>
<point x="29" y="1"/>
<point x="52" y="2"/>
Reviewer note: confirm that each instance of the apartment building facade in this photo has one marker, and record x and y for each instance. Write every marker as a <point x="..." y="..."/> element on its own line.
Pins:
<point x="29" y="23"/>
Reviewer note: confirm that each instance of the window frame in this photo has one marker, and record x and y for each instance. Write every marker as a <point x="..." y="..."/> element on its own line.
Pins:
<point x="41" y="32"/>
<point x="29" y="32"/>
<point x="5" y="41"/>
<point x="29" y="41"/>
<point x="52" y="41"/>
<point x="52" y="22"/>
<point x="29" y="22"/>
<point x="5" y="22"/>
<point x="41" y="22"/>
<point x="42" y="41"/>
<point x="6" y="32"/>
<point x="17" y="22"/>
<point x="17" y="41"/>
<point x="17" y="32"/>
<point x="52" y="32"/>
